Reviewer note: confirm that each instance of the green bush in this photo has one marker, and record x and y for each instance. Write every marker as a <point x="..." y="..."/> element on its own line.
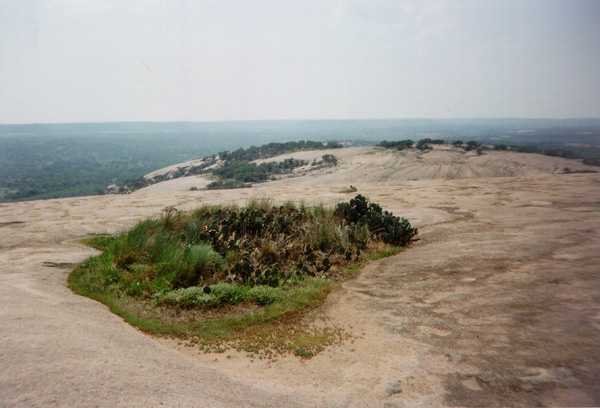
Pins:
<point x="330" y="159"/>
<point x="185" y="298"/>
<point x="225" y="293"/>
<point x="384" y="225"/>
<point x="218" y="295"/>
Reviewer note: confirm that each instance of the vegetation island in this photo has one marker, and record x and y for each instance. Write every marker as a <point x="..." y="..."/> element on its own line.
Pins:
<point x="239" y="277"/>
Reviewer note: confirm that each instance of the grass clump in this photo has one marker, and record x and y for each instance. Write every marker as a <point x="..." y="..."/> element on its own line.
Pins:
<point x="198" y="263"/>
<point x="350" y="189"/>
<point x="99" y="242"/>
<point x="224" y="276"/>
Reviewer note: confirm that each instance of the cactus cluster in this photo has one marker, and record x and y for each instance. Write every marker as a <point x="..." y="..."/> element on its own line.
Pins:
<point x="246" y="273"/>
<point x="381" y="224"/>
<point x="250" y="221"/>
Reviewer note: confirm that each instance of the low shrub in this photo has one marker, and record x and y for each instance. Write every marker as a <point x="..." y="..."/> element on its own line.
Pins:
<point x="218" y="295"/>
<point x="225" y="293"/>
<point x="192" y="297"/>
<point x="383" y="225"/>
<point x="330" y="159"/>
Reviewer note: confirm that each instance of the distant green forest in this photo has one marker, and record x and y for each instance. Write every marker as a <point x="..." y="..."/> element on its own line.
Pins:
<point x="60" y="160"/>
<point x="36" y="167"/>
<point x="52" y="161"/>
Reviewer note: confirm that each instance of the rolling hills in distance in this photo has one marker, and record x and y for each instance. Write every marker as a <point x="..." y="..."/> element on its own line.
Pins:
<point x="39" y="161"/>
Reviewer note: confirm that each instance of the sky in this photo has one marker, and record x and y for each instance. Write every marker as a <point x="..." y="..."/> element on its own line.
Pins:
<point x="203" y="60"/>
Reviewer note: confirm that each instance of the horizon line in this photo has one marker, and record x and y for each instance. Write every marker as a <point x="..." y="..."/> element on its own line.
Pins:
<point x="296" y="120"/>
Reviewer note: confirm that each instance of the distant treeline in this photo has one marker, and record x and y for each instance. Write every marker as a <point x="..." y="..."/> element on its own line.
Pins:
<point x="236" y="169"/>
<point x="61" y="160"/>
<point x="275" y="149"/>
<point x="425" y="144"/>
<point x="247" y="172"/>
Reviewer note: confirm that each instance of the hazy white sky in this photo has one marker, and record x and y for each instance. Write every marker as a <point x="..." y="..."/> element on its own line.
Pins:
<point x="197" y="60"/>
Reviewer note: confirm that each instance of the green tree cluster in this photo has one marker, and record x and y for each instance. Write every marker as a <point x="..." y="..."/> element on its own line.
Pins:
<point x="399" y="145"/>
